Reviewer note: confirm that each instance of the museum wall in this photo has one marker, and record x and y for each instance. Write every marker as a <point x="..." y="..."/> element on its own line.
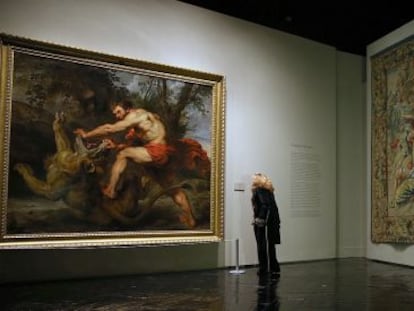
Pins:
<point x="351" y="156"/>
<point x="281" y="117"/>
<point x="389" y="252"/>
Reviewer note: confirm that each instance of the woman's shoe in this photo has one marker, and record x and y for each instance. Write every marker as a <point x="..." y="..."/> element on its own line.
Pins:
<point x="275" y="274"/>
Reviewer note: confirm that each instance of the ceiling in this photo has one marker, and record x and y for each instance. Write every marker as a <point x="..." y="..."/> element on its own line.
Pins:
<point x="347" y="25"/>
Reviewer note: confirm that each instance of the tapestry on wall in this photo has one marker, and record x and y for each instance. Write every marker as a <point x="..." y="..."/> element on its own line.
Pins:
<point x="392" y="134"/>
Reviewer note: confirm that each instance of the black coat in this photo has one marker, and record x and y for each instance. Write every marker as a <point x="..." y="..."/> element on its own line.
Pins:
<point x="265" y="207"/>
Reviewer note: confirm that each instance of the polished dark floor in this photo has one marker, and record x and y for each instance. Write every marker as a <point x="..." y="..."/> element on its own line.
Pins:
<point x="342" y="284"/>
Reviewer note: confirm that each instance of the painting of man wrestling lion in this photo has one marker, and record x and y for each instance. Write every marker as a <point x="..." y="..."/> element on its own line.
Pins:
<point x="98" y="149"/>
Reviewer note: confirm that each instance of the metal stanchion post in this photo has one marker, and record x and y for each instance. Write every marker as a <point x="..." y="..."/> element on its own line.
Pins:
<point x="237" y="270"/>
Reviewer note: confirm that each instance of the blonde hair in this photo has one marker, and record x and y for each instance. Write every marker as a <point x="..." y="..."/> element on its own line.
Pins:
<point x="262" y="181"/>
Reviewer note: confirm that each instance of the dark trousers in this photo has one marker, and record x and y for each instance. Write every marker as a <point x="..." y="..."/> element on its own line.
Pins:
<point x="266" y="251"/>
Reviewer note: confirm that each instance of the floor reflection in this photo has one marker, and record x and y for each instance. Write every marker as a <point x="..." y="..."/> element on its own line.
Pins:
<point x="331" y="285"/>
<point x="267" y="298"/>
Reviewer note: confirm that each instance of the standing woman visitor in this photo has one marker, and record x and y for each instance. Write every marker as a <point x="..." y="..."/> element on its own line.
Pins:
<point x="266" y="224"/>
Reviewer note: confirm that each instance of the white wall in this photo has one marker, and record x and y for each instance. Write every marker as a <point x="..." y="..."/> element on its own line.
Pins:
<point x="395" y="253"/>
<point x="281" y="96"/>
<point x="351" y="156"/>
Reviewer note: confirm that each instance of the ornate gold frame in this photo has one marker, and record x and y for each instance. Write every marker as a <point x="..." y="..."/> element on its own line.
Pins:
<point x="211" y="100"/>
<point x="392" y="157"/>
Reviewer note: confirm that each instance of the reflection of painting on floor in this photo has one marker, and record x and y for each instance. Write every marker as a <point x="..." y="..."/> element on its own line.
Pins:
<point x="393" y="144"/>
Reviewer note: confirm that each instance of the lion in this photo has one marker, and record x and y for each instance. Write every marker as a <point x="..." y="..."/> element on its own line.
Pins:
<point x="74" y="175"/>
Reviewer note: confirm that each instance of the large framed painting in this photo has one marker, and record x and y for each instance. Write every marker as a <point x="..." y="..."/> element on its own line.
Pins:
<point x="392" y="137"/>
<point x="101" y="150"/>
